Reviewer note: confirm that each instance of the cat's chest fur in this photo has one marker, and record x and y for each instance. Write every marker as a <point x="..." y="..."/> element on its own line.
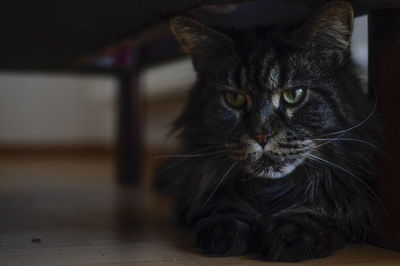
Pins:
<point x="305" y="188"/>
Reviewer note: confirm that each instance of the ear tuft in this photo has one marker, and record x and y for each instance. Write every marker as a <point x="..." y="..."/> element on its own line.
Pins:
<point x="195" y="36"/>
<point x="329" y="29"/>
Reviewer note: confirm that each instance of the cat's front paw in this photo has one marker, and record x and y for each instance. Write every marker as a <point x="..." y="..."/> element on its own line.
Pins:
<point x="298" y="237"/>
<point x="225" y="238"/>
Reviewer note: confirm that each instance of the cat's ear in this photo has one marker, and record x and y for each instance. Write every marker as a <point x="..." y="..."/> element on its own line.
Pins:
<point x="329" y="30"/>
<point x="197" y="38"/>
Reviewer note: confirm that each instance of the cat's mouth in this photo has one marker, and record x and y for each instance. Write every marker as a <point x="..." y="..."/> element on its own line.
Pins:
<point x="267" y="168"/>
<point x="265" y="165"/>
<point x="266" y="162"/>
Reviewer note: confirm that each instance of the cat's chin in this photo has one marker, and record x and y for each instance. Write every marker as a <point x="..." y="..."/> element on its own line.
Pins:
<point x="280" y="172"/>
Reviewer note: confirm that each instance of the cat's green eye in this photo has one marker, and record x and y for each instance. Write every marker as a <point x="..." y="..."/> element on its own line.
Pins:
<point x="293" y="96"/>
<point x="235" y="100"/>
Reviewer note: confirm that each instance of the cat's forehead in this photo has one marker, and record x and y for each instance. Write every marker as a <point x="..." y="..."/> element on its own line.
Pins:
<point x="262" y="74"/>
<point x="269" y="69"/>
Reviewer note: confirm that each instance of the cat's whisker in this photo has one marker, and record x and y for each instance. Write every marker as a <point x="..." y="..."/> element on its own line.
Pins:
<point x="187" y="155"/>
<point x="258" y="171"/>
<point x="203" y="149"/>
<point x="309" y="164"/>
<point x="326" y="162"/>
<point x="178" y="162"/>
<point x="360" y="123"/>
<point x="352" y="163"/>
<point x="212" y="143"/>
<point x="329" y="140"/>
<point x="331" y="164"/>
<point x="218" y="159"/>
<point x="217" y="186"/>
<point x="183" y="159"/>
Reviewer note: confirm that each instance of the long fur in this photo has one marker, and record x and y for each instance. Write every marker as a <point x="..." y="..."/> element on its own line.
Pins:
<point x="220" y="189"/>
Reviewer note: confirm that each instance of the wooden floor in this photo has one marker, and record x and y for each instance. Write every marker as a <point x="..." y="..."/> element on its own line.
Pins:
<point x="68" y="211"/>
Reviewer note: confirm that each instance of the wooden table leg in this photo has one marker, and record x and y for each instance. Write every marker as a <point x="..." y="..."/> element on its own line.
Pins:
<point x="129" y="129"/>
<point x="384" y="77"/>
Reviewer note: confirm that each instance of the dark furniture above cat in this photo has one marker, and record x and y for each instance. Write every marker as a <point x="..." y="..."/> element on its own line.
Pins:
<point x="68" y="36"/>
<point x="47" y="34"/>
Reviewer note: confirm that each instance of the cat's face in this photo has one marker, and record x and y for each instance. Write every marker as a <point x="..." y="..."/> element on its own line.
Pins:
<point x="269" y="115"/>
<point x="265" y="96"/>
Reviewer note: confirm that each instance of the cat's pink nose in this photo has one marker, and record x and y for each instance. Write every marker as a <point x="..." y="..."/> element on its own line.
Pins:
<point x="262" y="139"/>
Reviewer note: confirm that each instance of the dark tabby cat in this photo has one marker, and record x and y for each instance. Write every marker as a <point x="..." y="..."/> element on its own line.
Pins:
<point x="279" y="140"/>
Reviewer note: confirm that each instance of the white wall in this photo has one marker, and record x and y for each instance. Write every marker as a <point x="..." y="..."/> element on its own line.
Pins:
<point x="359" y="46"/>
<point x="168" y="78"/>
<point x="51" y="108"/>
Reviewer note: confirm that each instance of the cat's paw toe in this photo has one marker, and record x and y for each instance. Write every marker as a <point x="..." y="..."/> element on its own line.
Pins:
<point x="225" y="238"/>
<point x="285" y="239"/>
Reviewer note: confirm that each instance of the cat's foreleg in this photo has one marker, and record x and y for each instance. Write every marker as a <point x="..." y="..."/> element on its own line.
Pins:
<point x="228" y="230"/>
<point x="297" y="236"/>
